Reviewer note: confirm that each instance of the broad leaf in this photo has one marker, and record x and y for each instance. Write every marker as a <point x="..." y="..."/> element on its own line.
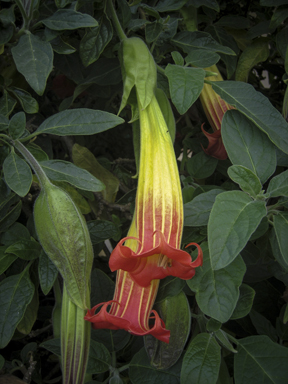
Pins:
<point x="201" y="361"/>
<point x="99" y="358"/>
<point x="233" y="219"/>
<point x="28" y="103"/>
<point x="68" y="19"/>
<point x="244" y="303"/>
<point x="259" y="358"/>
<point x="47" y="273"/>
<point x="248" y="146"/>
<point x="78" y="122"/>
<point x="185" y="85"/>
<point x="217" y="292"/>
<point x="34" y="59"/>
<point x="278" y="186"/>
<point x="17" y="125"/>
<point x="246" y="179"/>
<point x="257" y="108"/>
<point x="201" y="165"/>
<point x="25" y="249"/>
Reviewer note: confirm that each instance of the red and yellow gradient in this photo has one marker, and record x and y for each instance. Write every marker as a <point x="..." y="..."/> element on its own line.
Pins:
<point x="214" y="108"/>
<point x="158" y="211"/>
<point x="131" y="307"/>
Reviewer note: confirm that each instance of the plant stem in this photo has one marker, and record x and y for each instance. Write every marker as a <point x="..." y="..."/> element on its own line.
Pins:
<point x="116" y="22"/>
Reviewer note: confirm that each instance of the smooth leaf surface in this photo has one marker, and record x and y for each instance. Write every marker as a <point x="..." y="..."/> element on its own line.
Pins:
<point x="34" y="59"/>
<point x="185" y="85"/>
<point x="259" y="358"/>
<point x="257" y="108"/>
<point x="17" y="125"/>
<point x="202" y="58"/>
<point x="201" y="165"/>
<point x="244" y="303"/>
<point x="233" y="219"/>
<point x="197" y="211"/>
<point x="68" y="19"/>
<point x="16" y="292"/>
<point x="17" y="173"/>
<point x="201" y="361"/>
<point x="246" y="179"/>
<point x="47" y="272"/>
<point x="278" y="186"/>
<point x="80" y="121"/>
<point x="25" y="249"/>
<point x="28" y="103"/>
<point x="60" y="170"/>
<point x="99" y="358"/>
<point x="170" y="286"/>
<point x="217" y="292"/>
<point x="248" y="146"/>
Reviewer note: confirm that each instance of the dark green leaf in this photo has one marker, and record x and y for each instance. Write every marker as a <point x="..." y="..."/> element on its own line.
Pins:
<point x="5" y="259"/>
<point x="177" y="57"/>
<point x="222" y="339"/>
<point x="102" y="287"/>
<point x="68" y="19"/>
<point x="233" y="219"/>
<point x="25" y="249"/>
<point x="37" y="152"/>
<point x="101" y="230"/>
<point x="62" y="47"/>
<point x="17" y="173"/>
<point x="257" y="108"/>
<point x="34" y="59"/>
<point x="6" y="34"/>
<point x="263" y="326"/>
<point x="78" y="122"/>
<point x="170" y="286"/>
<point x="4" y="123"/>
<point x="202" y="58"/>
<point x="201" y="165"/>
<point x="16" y="232"/>
<point x="213" y="4"/>
<point x="17" y="125"/>
<point x="185" y="85"/>
<point x="248" y="146"/>
<point x="52" y="345"/>
<point x="217" y="292"/>
<point x="99" y="358"/>
<point x="95" y="40"/>
<point x="197" y="211"/>
<point x="7" y="104"/>
<point x="278" y="186"/>
<point x="153" y="30"/>
<point x="175" y="312"/>
<point x="47" y="273"/>
<point x="170" y="5"/>
<point x="281" y="230"/>
<point x="16" y="292"/>
<point x="258" y="357"/>
<point x="201" y="361"/>
<point x="246" y="179"/>
<point x="10" y="217"/>
<point x="244" y="303"/>
<point x="59" y="170"/>
<point x="28" y="103"/>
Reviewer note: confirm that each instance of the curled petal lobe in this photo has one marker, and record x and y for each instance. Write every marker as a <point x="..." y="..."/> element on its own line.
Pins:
<point x="215" y="146"/>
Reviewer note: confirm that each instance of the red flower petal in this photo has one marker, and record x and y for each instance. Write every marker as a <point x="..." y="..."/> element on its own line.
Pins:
<point x="215" y="147"/>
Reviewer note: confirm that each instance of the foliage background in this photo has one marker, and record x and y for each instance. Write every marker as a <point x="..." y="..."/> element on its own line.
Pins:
<point x="59" y="70"/>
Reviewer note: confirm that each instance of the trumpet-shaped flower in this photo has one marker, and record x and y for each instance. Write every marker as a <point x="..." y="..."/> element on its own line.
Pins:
<point x="131" y="307"/>
<point x="158" y="211"/>
<point x="214" y="108"/>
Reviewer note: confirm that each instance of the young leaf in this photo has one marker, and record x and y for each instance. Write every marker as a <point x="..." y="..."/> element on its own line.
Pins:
<point x="233" y="219"/>
<point x="47" y="273"/>
<point x="201" y="361"/>
<point x="257" y="108"/>
<point x="59" y="170"/>
<point x="248" y="146"/>
<point x="34" y="59"/>
<point x="28" y="103"/>
<point x="17" y="125"/>
<point x="246" y="179"/>
<point x="7" y="104"/>
<point x="258" y="357"/>
<point x="278" y="186"/>
<point x="78" y="122"/>
<point x="185" y="85"/>
<point x="68" y="19"/>
<point x="16" y="292"/>
<point x="217" y="292"/>
<point x="17" y="174"/>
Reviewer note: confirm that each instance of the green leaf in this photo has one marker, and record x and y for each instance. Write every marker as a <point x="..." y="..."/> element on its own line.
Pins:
<point x="233" y="219"/>
<point x="10" y="217"/>
<point x="6" y="34"/>
<point x="18" y="174"/>
<point x="5" y="260"/>
<point x="177" y="57"/>
<point x="99" y="358"/>
<point x="101" y="230"/>
<point x="248" y="146"/>
<point x="80" y="121"/>
<point x="17" y="125"/>
<point x="169" y="5"/>
<point x="188" y="40"/>
<point x="53" y="346"/>
<point x="197" y="211"/>
<point x="257" y="108"/>
<point x="62" y="47"/>
<point x="7" y="104"/>
<point x="25" y="249"/>
<point x="142" y="372"/>
<point x="201" y="165"/>
<point x="30" y="316"/>
<point x="47" y="272"/>
<point x="175" y="312"/>
<point x="37" y="152"/>
<point x="262" y="325"/>
<point x="28" y="103"/>
<point x="281" y="230"/>
<point x="185" y="85"/>
<point x="213" y="4"/>
<point x="95" y="40"/>
<point x="16" y="292"/>
<point x="170" y="286"/>
<point x="223" y="340"/>
<point x="113" y="340"/>
<point x="202" y="58"/>
<point x="59" y="170"/>
<point x="217" y="292"/>
<point x="102" y="287"/>
<point x="153" y="30"/>
<point x="34" y="59"/>
<point x="68" y="19"/>
<point x="201" y="361"/>
<point x="278" y="186"/>
<point x="16" y="232"/>
<point x="253" y="54"/>
<point x="258" y="357"/>
<point x="244" y="303"/>
<point x="4" y="123"/>
<point x="246" y="179"/>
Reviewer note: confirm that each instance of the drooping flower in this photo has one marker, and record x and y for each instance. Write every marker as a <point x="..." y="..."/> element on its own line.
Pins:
<point x="158" y="211"/>
<point x="214" y="108"/>
<point x="131" y="307"/>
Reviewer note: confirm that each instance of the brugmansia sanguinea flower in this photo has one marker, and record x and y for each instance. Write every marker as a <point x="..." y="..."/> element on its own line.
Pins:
<point x="131" y="307"/>
<point x="158" y="210"/>
<point x="214" y="108"/>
